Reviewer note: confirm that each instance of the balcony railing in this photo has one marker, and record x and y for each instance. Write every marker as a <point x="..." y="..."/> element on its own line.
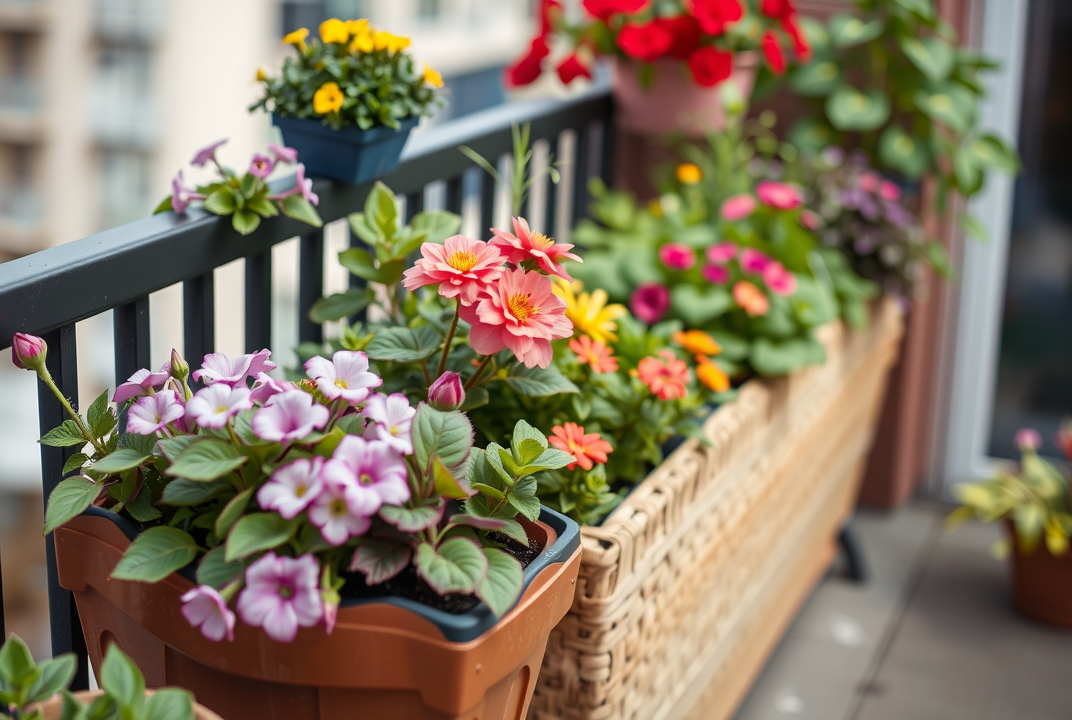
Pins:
<point x="49" y="292"/>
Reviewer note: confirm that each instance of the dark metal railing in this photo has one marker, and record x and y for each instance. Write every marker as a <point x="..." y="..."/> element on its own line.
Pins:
<point x="48" y="292"/>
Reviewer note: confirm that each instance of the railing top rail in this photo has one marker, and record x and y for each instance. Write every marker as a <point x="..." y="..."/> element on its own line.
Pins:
<point x="71" y="282"/>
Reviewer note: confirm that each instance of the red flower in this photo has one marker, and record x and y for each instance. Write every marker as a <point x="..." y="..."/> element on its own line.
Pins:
<point x="666" y="377"/>
<point x="772" y="50"/>
<point x="572" y="68"/>
<point x="779" y="9"/>
<point x="686" y="33"/>
<point x="570" y="438"/>
<point x="604" y="9"/>
<point x="528" y="68"/>
<point x="715" y="15"/>
<point x="801" y="48"/>
<point x="647" y="42"/>
<point x="710" y="66"/>
<point x="546" y="8"/>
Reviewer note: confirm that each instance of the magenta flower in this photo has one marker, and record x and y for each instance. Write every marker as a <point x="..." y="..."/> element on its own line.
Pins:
<point x="218" y="368"/>
<point x="810" y="220"/>
<point x="292" y="487"/>
<point x="889" y="191"/>
<point x="738" y="207"/>
<point x="206" y="154"/>
<point x="153" y="413"/>
<point x="261" y="166"/>
<point x="754" y="261"/>
<point x="650" y="302"/>
<point x="447" y="392"/>
<point x="213" y="406"/>
<point x="721" y="253"/>
<point x="282" y="154"/>
<point x="281" y="595"/>
<point x="373" y="473"/>
<point x="461" y="266"/>
<point x="392" y="417"/>
<point x="337" y="515"/>
<point x="677" y="256"/>
<point x="869" y="182"/>
<point x="717" y="274"/>
<point x="181" y="195"/>
<point x="526" y="245"/>
<point x="203" y="607"/>
<point x="779" y="280"/>
<point x="28" y="351"/>
<point x="519" y="312"/>
<point x="345" y="376"/>
<point x="1028" y="439"/>
<point x="778" y="195"/>
<point x="289" y="416"/>
<point x="266" y="386"/>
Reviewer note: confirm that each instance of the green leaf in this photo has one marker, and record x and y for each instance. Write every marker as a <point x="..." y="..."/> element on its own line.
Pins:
<point x="502" y="584"/>
<point x="969" y="176"/>
<point x="297" y="207"/>
<point x="55" y="675"/>
<point x="458" y="565"/>
<point x="164" y="206"/>
<point x="816" y="79"/>
<point x="66" y="435"/>
<point x="403" y="344"/>
<point x="989" y="151"/>
<point x="436" y="225"/>
<point x="475" y="397"/>
<point x="256" y="532"/>
<point x="17" y="668"/>
<point x="698" y="308"/>
<point x="169" y="704"/>
<point x="412" y="520"/>
<point x="98" y="411"/>
<point x="902" y="152"/>
<point x="120" y="460"/>
<point x="141" y="506"/>
<point x="973" y="226"/>
<point x="539" y="382"/>
<point x="489" y="491"/>
<point x="232" y="511"/>
<point x="215" y="570"/>
<point x="849" y="30"/>
<point x="854" y="111"/>
<point x="549" y="459"/>
<point x="361" y="263"/>
<point x="183" y="492"/>
<point x="381" y="210"/>
<point x="523" y="498"/>
<point x="933" y="56"/>
<point x="262" y="206"/>
<point x="171" y="448"/>
<point x="774" y="358"/>
<point x="68" y="500"/>
<point x="205" y="460"/>
<point x="155" y="554"/>
<point x="380" y="560"/>
<point x="446" y="484"/>
<point x="220" y="202"/>
<point x="121" y="679"/>
<point x="947" y="106"/>
<point x="448" y="435"/>
<point x="811" y="134"/>
<point x="75" y="462"/>
<point x="245" y="221"/>
<point x="340" y="305"/>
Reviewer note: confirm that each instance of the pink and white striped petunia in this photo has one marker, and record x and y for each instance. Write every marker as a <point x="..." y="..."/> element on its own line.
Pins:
<point x="337" y="515"/>
<point x="204" y="608"/>
<point x="213" y="406"/>
<point x="218" y="368"/>
<point x="265" y="386"/>
<point x="526" y="245"/>
<point x="373" y="473"/>
<point x="461" y="266"/>
<point x="281" y="595"/>
<point x="292" y="487"/>
<point x="345" y="376"/>
<point x="392" y="416"/>
<point x="141" y="383"/>
<point x="153" y="413"/>
<point x="289" y="416"/>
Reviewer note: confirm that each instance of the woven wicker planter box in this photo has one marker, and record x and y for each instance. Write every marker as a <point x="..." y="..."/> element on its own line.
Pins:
<point x="690" y="583"/>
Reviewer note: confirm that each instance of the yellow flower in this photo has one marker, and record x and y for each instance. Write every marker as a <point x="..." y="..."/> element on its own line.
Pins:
<point x="655" y="208"/>
<point x="432" y="77"/>
<point x="697" y="342"/>
<point x="334" y="31"/>
<point x="689" y="174"/>
<point x="399" y="43"/>
<point x="328" y="98"/>
<point x="712" y="375"/>
<point x="357" y="27"/>
<point x="261" y="75"/>
<point x="589" y="313"/>
<point x="297" y="38"/>
<point x="362" y="42"/>
<point x="381" y="39"/>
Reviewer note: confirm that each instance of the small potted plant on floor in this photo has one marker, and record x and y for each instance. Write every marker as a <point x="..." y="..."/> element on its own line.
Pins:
<point x="348" y="100"/>
<point x="1033" y="502"/>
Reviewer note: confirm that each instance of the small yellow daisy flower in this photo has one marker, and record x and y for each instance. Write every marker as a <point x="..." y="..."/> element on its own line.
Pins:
<point x="589" y="313"/>
<point x="297" y="38"/>
<point x="261" y="75"/>
<point x="432" y="77"/>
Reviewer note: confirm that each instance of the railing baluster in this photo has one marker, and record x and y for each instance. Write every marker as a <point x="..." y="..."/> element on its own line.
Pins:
<point x="310" y="284"/>
<point x="130" y="323"/>
<point x="580" y="175"/>
<point x="414" y="204"/>
<point x="259" y="301"/>
<point x="62" y="362"/>
<point x="199" y="318"/>
<point x="453" y="196"/>
<point x="606" y="150"/>
<point x="487" y="204"/>
<point x="550" y="207"/>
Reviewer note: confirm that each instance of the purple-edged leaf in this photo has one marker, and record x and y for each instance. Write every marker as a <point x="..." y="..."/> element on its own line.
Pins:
<point x="484" y="523"/>
<point x="413" y="519"/>
<point x="458" y="565"/>
<point x="447" y="484"/>
<point x="380" y="560"/>
<point x="501" y="585"/>
<point x="515" y="531"/>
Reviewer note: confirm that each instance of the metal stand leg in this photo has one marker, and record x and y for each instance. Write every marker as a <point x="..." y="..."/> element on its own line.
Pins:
<point x="855" y="564"/>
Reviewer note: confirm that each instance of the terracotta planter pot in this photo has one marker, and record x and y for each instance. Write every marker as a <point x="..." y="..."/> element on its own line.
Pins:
<point x="390" y="658"/>
<point x="53" y="708"/>
<point x="1041" y="583"/>
<point x="674" y="101"/>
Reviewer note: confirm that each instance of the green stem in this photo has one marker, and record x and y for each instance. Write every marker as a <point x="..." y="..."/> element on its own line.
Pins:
<point x="479" y="371"/>
<point x="449" y="339"/>
<point x="424" y="370"/>
<point x="47" y="378"/>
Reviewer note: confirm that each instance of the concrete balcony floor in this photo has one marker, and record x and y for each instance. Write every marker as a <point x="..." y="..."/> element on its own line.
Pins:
<point x="931" y="636"/>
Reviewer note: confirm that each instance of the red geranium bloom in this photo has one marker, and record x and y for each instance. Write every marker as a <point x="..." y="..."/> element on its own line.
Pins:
<point x="666" y="377"/>
<point x="570" y="438"/>
<point x="685" y="30"/>
<point x="710" y="66"/>
<point x="715" y="15"/>
<point x="528" y="68"/>
<point x="779" y="9"/>
<point x="546" y="7"/>
<point x="772" y="50"/>
<point x="801" y="48"/>
<point x="605" y="9"/>
<point x="572" y="68"/>
<point x="647" y="42"/>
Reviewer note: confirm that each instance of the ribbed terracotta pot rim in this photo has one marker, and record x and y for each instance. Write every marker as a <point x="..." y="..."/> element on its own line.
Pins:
<point x="52" y="708"/>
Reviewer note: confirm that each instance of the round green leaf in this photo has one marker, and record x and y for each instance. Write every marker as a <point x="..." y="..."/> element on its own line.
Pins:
<point x="448" y="435"/>
<point x="404" y="344"/>
<point x="933" y="56"/>
<point x="810" y="134"/>
<point x="816" y="78"/>
<point x="206" y="460"/>
<point x="950" y="105"/>
<point x="458" y="565"/>
<point x="901" y="152"/>
<point x="260" y="531"/>
<point x="501" y="586"/>
<point x="340" y="305"/>
<point x="69" y="499"/>
<point x="155" y="554"/>
<point x="849" y="30"/>
<point x="540" y="382"/>
<point x="214" y="569"/>
<point x="854" y="111"/>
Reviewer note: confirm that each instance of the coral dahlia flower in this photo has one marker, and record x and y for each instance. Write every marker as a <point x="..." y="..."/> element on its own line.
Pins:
<point x="526" y="245"/>
<point x="519" y="312"/>
<point x="696" y="342"/>
<point x="594" y="353"/>
<point x="751" y="299"/>
<point x="461" y="266"/>
<point x="569" y="437"/>
<point x="712" y="376"/>
<point x="665" y="376"/>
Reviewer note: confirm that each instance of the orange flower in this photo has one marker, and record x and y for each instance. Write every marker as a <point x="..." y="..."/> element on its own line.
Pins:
<point x="697" y="342"/>
<point x="570" y="438"/>
<point x="712" y="375"/>
<point x="594" y="353"/>
<point x="751" y="299"/>
<point x="665" y="378"/>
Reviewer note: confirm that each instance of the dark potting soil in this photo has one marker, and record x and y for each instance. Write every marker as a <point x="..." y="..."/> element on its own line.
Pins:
<point x="409" y="585"/>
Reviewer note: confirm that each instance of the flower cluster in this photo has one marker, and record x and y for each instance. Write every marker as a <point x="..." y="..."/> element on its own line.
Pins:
<point x="703" y="34"/>
<point x="247" y="197"/>
<point x="352" y="74"/>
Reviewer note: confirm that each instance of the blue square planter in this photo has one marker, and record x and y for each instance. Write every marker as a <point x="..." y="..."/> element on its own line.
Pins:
<point x="350" y="155"/>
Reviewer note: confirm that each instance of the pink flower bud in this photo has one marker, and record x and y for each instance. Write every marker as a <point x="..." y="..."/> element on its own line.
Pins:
<point x="179" y="367"/>
<point x="28" y="351"/>
<point x="447" y="393"/>
<point x="1028" y="439"/>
